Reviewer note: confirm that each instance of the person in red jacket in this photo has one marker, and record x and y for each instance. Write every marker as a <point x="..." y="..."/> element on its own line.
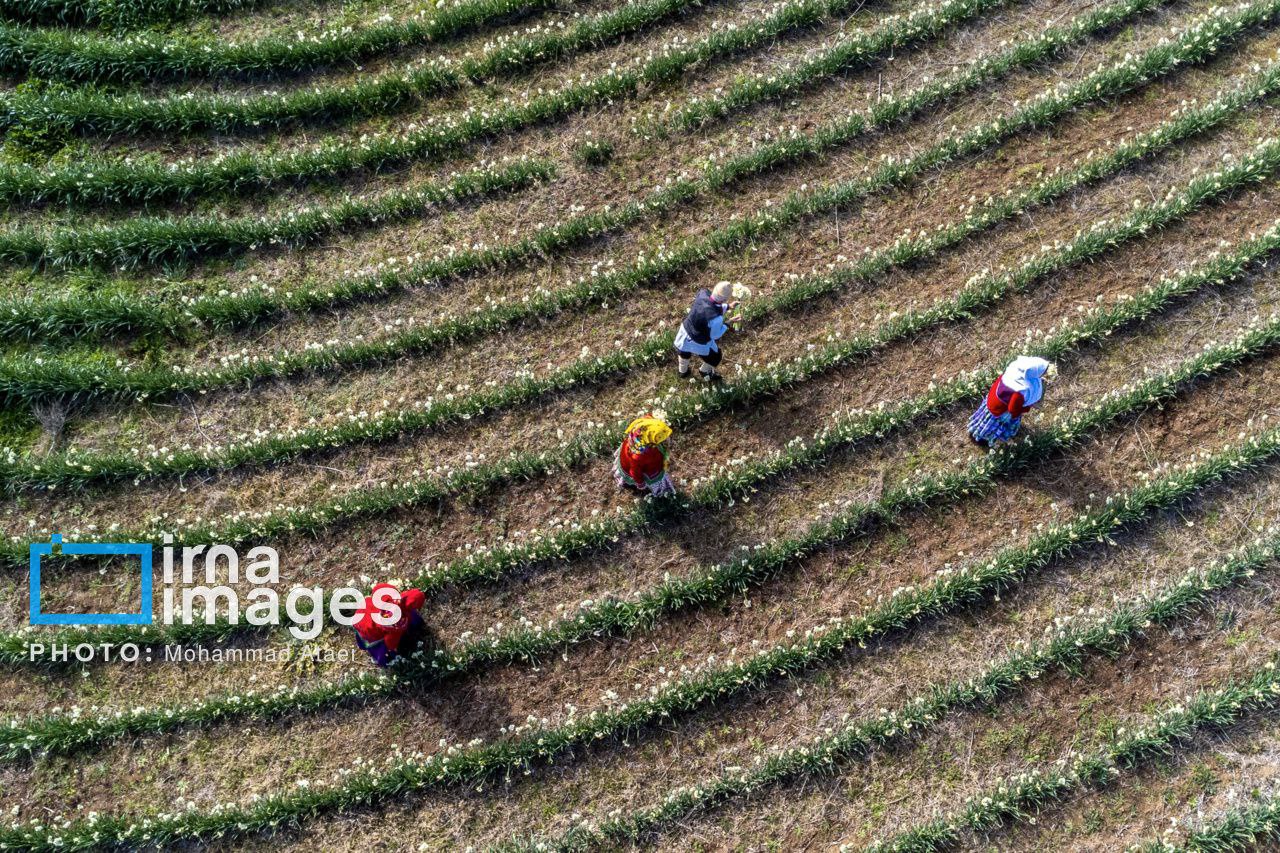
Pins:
<point x="641" y="461"/>
<point x="1015" y="391"/>
<point x="397" y="630"/>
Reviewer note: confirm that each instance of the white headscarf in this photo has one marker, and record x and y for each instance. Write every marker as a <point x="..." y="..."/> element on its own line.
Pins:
<point x="1023" y="375"/>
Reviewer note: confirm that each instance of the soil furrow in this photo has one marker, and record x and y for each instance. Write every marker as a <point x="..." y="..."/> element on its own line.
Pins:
<point x="1193" y="413"/>
<point x="859" y="384"/>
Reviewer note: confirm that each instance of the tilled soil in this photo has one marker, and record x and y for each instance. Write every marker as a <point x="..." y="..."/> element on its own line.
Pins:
<point x="893" y="789"/>
<point x="1193" y="787"/>
<point x="901" y="368"/>
<point x="452" y="446"/>
<point x="639" y="165"/>
<point x="870" y="797"/>
<point x="870" y="568"/>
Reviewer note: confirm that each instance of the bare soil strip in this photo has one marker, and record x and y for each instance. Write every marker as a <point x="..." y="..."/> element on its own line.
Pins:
<point x="1192" y="411"/>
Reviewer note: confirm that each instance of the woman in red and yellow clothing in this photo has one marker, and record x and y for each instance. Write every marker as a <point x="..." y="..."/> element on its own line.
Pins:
<point x="641" y="461"/>
<point x="1014" y="392"/>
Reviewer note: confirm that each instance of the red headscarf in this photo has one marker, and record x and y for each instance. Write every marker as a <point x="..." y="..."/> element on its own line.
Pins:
<point x="368" y="628"/>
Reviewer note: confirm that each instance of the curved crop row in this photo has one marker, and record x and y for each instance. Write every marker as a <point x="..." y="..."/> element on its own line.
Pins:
<point x="53" y="317"/>
<point x="713" y="584"/>
<point x="844" y="432"/>
<point x="90" y="111"/>
<point x="732" y="481"/>
<point x="141" y="56"/>
<point x="114" y="314"/>
<point x="155" y="240"/>
<point x="1015" y="798"/>
<point x="981" y="292"/>
<point x="117" y="14"/>
<point x="951" y="590"/>
<point x="1065" y="649"/>
<point x="1254" y="826"/>
<point x="773" y="85"/>
<point x="70" y="733"/>
<point x="87" y="110"/>
<point x="906" y="607"/>
<point x="683" y="412"/>
<point x="25" y="380"/>
<point x="93" y="180"/>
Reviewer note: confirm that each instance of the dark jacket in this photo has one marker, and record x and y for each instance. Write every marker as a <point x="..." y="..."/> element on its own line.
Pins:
<point x="697" y="324"/>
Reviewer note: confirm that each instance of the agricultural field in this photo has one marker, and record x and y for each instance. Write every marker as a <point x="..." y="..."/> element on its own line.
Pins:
<point x="378" y="286"/>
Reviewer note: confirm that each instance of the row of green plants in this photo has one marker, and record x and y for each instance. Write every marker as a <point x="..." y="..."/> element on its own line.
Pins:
<point x="24" y="379"/>
<point x="1065" y="650"/>
<point x="558" y="238"/>
<point x="711" y="585"/>
<point x="487" y="564"/>
<point x="980" y="293"/>
<point x="158" y="240"/>
<point x="110" y="314"/>
<point x="154" y="241"/>
<point x="775" y="85"/>
<point x="725" y="485"/>
<point x="142" y="56"/>
<point x="418" y="340"/>
<point x="731" y="482"/>
<point x="98" y="180"/>
<point x="1255" y="826"/>
<point x="1014" y="799"/>
<point x="95" y="179"/>
<point x="147" y="241"/>
<point x="117" y="14"/>
<point x="86" y="110"/>
<point x="82" y="468"/>
<point x="907" y="606"/>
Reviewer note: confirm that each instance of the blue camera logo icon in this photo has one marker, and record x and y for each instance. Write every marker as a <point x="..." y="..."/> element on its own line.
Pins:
<point x="142" y="551"/>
